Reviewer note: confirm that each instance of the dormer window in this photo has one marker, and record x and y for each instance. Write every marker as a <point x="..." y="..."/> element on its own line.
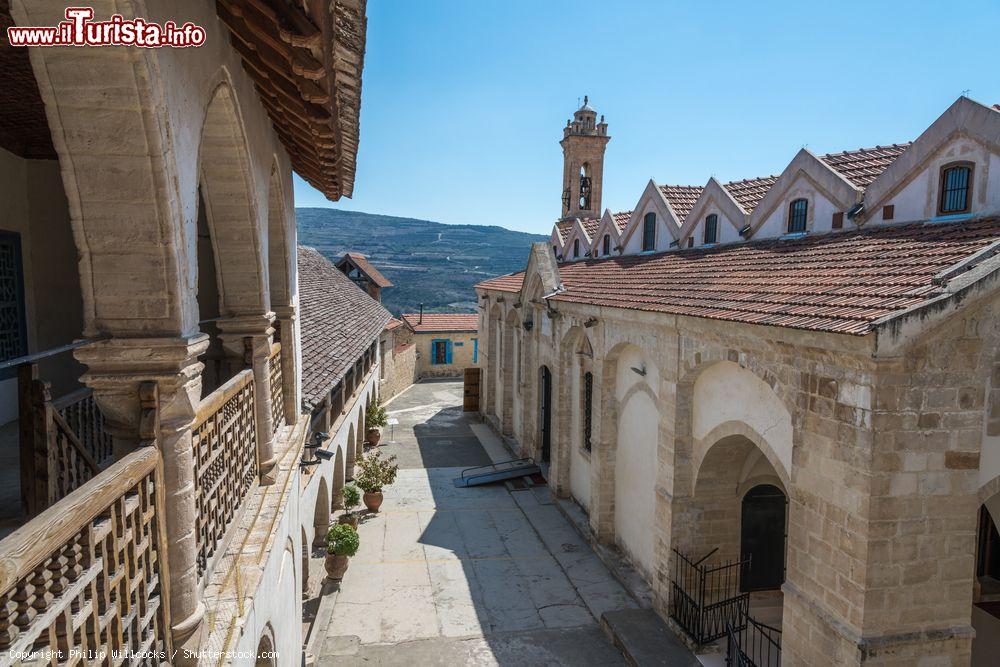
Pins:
<point x="797" y="212"/>
<point x="576" y="248"/>
<point x="649" y="232"/>
<point x="956" y="189"/>
<point x="712" y="229"/>
<point x="606" y="245"/>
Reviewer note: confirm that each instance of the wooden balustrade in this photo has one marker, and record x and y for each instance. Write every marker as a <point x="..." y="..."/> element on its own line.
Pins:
<point x="80" y="412"/>
<point x="225" y="453"/>
<point x="90" y="573"/>
<point x="55" y="460"/>
<point x="277" y="388"/>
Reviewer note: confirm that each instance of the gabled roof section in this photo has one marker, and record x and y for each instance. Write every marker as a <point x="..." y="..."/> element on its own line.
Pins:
<point x="845" y="282"/>
<point x="541" y="264"/>
<point x="441" y="322"/>
<point x="681" y="197"/>
<point x="749" y="192"/>
<point x="714" y="192"/>
<point x="831" y="183"/>
<point x="361" y="263"/>
<point x="338" y="320"/>
<point x="864" y="165"/>
<point x="621" y="220"/>
<point x="964" y="117"/>
<point x="652" y="193"/>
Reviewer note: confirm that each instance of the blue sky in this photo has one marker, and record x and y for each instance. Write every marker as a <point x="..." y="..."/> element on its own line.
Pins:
<point x="464" y="100"/>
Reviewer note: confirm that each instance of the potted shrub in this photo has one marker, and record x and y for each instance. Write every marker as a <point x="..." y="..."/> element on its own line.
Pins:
<point x="352" y="498"/>
<point x="372" y="474"/>
<point x="375" y="418"/>
<point x="341" y="543"/>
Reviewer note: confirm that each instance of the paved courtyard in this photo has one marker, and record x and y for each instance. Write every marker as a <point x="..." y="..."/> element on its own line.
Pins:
<point x="482" y="576"/>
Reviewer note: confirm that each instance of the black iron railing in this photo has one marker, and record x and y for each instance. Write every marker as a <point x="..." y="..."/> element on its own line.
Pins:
<point x="707" y="598"/>
<point x="755" y="644"/>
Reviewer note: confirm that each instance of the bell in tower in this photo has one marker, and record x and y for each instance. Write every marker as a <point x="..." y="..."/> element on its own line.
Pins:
<point x="584" y="140"/>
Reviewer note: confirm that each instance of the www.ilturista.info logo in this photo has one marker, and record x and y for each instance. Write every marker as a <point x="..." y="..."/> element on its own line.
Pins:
<point x="80" y="30"/>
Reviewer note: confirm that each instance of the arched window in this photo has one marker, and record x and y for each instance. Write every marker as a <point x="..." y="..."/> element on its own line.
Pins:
<point x="576" y="248"/>
<point x="712" y="229"/>
<point x="588" y="401"/>
<point x="797" y="212"/>
<point x="956" y="189"/>
<point x="649" y="232"/>
<point x="606" y="245"/>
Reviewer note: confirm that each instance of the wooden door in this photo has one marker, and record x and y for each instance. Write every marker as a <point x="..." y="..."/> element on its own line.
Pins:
<point x="471" y="397"/>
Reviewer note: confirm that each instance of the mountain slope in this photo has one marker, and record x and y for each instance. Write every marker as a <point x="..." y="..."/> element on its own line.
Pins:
<point x="428" y="262"/>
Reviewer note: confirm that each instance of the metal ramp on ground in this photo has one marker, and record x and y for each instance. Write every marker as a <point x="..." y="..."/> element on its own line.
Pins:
<point x="497" y="472"/>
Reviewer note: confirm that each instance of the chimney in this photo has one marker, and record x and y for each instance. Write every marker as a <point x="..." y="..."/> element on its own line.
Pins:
<point x="421" y="320"/>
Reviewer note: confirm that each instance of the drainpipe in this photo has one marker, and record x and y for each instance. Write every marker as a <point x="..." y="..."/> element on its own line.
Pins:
<point x="421" y="320"/>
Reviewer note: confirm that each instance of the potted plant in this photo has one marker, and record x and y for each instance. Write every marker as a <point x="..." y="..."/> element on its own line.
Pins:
<point x="372" y="475"/>
<point x="375" y="418"/>
<point x="341" y="543"/>
<point x="352" y="498"/>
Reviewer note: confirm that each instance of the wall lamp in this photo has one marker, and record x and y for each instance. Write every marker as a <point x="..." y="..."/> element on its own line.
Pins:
<point x="591" y="322"/>
<point x="640" y="371"/>
<point x="528" y="324"/>
<point x="675" y="243"/>
<point x="856" y="210"/>
<point x="745" y="230"/>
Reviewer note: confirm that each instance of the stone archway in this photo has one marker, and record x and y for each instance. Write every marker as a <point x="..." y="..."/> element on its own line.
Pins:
<point x="351" y="451"/>
<point x="306" y="553"/>
<point x="227" y="186"/>
<point x="321" y="513"/>
<point x="361" y="436"/>
<point x="338" y="480"/>
<point x="508" y="373"/>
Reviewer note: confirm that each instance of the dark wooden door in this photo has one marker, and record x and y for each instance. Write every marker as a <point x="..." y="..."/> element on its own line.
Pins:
<point x="471" y="402"/>
<point x="546" y="407"/>
<point x="762" y="538"/>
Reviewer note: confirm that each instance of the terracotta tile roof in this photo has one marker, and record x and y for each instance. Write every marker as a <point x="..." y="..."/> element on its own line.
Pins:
<point x="621" y="219"/>
<point x="749" y="192"/>
<point x="393" y="324"/>
<point x="833" y="282"/>
<point x="339" y="321"/>
<point x="367" y="268"/>
<point x="564" y="226"/>
<point x="682" y="198"/>
<point x="590" y="226"/>
<point x="433" y="322"/>
<point x="864" y="165"/>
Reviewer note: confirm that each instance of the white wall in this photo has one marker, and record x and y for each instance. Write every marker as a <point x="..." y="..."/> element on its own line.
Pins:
<point x="727" y="232"/>
<point x="635" y="459"/>
<point x="726" y="392"/>
<point x="819" y="218"/>
<point x="579" y="460"/>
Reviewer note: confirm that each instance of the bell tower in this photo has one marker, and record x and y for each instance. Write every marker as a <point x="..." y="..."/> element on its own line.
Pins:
<point x="583" y="144"/>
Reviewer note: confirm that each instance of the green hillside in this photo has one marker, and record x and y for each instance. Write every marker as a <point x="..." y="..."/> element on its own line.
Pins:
<point x="429" y="262"/>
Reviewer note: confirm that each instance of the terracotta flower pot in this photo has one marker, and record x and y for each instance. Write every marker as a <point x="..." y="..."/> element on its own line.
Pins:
<point x="373" y="436"/>
<point x="350" y="519"/>
<point x="373" y="501"/>
<point x="336" y="566"/>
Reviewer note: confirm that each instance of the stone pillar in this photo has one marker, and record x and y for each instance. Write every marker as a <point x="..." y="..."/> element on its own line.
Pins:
<point x="250" y="337"/>
<point x="115" y="370"/>
<point x="286" y="318"/>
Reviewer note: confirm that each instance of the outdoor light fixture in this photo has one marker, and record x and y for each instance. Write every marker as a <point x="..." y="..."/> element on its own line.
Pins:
<point x="856" y="210"/>
<point x="591" y="322"/>
<point x="317" y="440"/>
<point x="517" y="305"/>
<point x="745" y="230"/>
<point x="528" y="324"/>
<point x="324" y="454"/>
<point x="675" y="243"/>
<point x="640" y="371"/>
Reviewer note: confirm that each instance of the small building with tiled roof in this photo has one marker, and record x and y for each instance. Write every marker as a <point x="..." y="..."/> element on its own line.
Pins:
<point x="445" y="344"/>
<point x="792" y="381"/>
<point x="359" y="269"/>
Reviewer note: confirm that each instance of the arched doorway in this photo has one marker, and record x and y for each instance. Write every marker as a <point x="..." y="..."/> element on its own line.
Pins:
<point x="762" y="538"/>
<point x="545" y="412"/>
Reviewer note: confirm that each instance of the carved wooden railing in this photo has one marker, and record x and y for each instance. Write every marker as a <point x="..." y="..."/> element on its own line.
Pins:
<point x="55" y="460"/>
<point x="80" y="412"/>
<point x="90" y="572"/>
<point x="225" y="453"/>
<point x="277" y="389"/>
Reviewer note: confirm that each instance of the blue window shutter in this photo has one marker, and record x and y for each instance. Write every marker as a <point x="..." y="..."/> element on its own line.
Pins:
<point x="475" y="350"/>
<point x="447" y="352"/>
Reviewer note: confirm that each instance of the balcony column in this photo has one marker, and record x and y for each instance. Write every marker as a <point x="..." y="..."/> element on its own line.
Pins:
<point x="286" y="326"/>
<point x="249" y="337"/>
<point x="116" y="369"/>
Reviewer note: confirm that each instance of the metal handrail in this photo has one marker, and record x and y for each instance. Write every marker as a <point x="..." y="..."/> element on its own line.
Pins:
<point x="51" y="352"/>
<point x="494" y="465"/>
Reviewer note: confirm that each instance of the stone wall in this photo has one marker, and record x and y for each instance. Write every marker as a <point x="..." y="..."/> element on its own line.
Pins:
<point x="463" y="351"/>
<point x="401" y="370"/>
<point x="878" y="457"/>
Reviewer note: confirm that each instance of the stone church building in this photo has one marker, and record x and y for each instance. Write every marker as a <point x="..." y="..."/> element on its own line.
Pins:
<point x="790" y="381"/>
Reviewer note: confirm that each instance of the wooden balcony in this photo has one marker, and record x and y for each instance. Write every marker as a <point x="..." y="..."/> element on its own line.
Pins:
<point x="90" y="572"/>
